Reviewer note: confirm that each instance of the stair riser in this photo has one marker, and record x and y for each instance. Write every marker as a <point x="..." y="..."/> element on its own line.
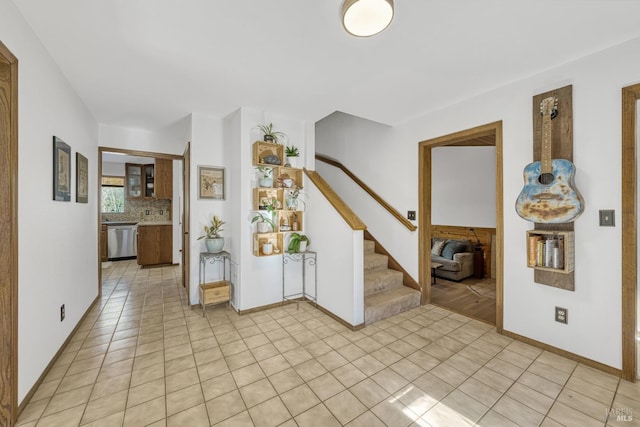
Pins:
<point x="372" y="263"/>
<point x="369" y="246"/>
<point x="380" y="284"/>
<point x="374" y="314"/>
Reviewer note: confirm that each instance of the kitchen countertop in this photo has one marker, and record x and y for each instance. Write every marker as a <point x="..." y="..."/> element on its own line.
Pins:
<point x="119" y="223"/>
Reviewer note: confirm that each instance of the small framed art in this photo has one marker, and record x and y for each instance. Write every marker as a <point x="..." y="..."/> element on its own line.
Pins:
<point x="82" y="179"/>
<point x="61" y="170"/>
<point x="210" y="182"/>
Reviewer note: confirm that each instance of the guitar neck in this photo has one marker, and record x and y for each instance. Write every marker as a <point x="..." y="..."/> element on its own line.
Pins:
<point x="545" y="155"/>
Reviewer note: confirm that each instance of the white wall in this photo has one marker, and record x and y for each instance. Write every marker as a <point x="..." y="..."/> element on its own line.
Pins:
<point x="463" y="189"/>
<point x="594" y="307"/>
<point x="58" y="241"/>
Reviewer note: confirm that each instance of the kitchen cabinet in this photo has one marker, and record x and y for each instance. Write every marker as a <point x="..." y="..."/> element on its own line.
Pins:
<point x="164" y="179"/>
<point x="104" y="249"/>
<point x="155" y="245"/>
<point x="151" y="181"/>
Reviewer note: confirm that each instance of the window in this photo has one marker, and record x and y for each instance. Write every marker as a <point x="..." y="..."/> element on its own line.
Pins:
<point x="112" y="194"/>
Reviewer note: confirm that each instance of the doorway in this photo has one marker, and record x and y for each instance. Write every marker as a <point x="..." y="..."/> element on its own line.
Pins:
<point x="9" y="233"/>
<point x="486" y="135"/>
<point x="129" y="154"/>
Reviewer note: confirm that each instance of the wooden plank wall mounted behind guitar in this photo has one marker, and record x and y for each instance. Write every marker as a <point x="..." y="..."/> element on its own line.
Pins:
<point x="562" y="148"/>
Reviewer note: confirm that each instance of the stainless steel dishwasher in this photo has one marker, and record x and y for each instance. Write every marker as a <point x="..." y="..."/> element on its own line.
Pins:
<point x="122" y="241"/>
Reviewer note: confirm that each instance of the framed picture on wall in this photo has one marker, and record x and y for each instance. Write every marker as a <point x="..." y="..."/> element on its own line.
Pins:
<point x="82" y="179"/>
<point x="210" y="182"/>
<point x="61" y="170"/>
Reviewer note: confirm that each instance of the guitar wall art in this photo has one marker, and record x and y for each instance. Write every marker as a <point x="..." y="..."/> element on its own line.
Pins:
<point x="549" y="194"/>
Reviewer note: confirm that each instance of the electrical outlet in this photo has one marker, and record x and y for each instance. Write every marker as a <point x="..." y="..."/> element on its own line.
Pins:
<point x="62" y="312"/>
<point x="562" y="315"/>
<point x="607" y="218"/>
<point x="161" y="211"/>
<point x="411" y="215"/>
<point x="146" y="212"/>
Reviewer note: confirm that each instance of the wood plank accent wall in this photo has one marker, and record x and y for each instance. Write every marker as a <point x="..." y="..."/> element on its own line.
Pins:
<point x="465" y="233"/>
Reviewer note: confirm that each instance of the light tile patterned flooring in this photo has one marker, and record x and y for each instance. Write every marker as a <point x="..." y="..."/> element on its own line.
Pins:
<point x="143" y="357"/>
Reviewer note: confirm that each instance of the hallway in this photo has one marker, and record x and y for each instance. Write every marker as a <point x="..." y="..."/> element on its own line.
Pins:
<point x="143" y="357"/>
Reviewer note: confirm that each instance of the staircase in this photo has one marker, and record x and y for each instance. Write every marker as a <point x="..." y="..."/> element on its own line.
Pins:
<point x="384" y="293"/>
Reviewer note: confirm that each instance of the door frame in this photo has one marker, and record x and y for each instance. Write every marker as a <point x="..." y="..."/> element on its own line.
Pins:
<point x="630" y="98"/>
<point x="9" y="243"/>
<point x="99" y="189"/>
<point x="461" y="138"/>
<point x="186" y="221"/>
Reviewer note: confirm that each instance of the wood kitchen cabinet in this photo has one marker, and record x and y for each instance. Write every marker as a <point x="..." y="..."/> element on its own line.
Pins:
<point x="151" y="181"/>
<point x="155" y="245"/>
<point x="104" y="249"/>
<point x="164" y="179"/>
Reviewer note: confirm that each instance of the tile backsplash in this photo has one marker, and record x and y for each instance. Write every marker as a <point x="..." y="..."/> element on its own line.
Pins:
<point x="136" y="210"/>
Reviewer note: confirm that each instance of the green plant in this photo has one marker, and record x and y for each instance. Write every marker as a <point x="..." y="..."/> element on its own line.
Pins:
<point x="270" y="134"/>
<point x="265" y="171"/>
<point x="271" y="206"/>
<point x="291" y="151"/>
<point x="294" y="242"/>
<point x="213" y="231"/>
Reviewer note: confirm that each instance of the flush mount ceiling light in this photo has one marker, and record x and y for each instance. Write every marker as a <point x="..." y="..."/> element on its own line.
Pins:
<point x="364" y="18"/>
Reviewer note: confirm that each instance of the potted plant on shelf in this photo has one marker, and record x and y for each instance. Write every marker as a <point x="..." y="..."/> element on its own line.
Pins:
<point x="266" y="176"/>
<point x="292" y="153"/>
<point x="214" y="241"/>
<point x="264" y="219"/>
<point x="292" y="199"/>
<point x="270" y="135"/>
<point x="298" y="243"/>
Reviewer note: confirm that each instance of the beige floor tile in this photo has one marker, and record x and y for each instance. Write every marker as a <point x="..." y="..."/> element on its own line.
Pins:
<point x="148" y="374"/>
<point x="297" y="356"/>
<point x="494" y="419"/>
<point x="218" y="386"/>
<point x="368" y="364"/>
<point x="348" y="375"/>
<point x="533" y="399"/>
<point x="105" y="406"/>
<point x="393" y="413"/>
<point x="274" y="364"/>
<point x="594" y="392"/>
<point x="310" y="369"/>
<point x="535" y="382"/>
<point x="325" y="386"/>
<point x="179" y="364"/>
<point x="71" y="382"/>
<point x="584" y="404"/>
<point x="415" y="399"/>
<point x="264" y="352"/>
<point x="148" y="359"/>
<point x="299" y="399"/>
<point x="517" y="412"/>
<point x="568" y="416"/>
<point x="108" y="421"/>
<point x="270" y="413"/>
<point x="68" y="418"/>
<point x="548" y="372"/>
<point x="145" y="392"/>
<point x="182" y="379"/>
<point x="257" y="392"/>
<point x="193" y="417"/>
<point x="318" y="416"/>
<point x="247" y="375"/>
<point x="33" y="411"/>
<point x="495" y="380"/>
<point x="146" y="413"/>
<point x="184" y="399"/>
<point x="345" y="406"/>
<point x="62" y="401"/>
<point x="434" y="386"/>
<point x="240" y="360"/>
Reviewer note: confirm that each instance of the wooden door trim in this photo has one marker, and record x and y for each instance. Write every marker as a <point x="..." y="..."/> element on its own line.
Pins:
<point x="186" y="221"/>
<point x="9" y="243"/>
<point x="424" y="205"/>
<point x="630" y="97"/>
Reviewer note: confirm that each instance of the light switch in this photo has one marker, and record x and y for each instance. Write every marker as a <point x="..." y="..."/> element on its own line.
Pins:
<point x="607" y="218"/>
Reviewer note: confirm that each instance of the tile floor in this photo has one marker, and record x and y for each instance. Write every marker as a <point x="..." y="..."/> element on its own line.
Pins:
<point x="143" y="357"/>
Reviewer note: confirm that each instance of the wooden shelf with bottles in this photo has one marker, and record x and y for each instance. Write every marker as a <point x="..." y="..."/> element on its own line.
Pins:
<point x="551" y="250"/>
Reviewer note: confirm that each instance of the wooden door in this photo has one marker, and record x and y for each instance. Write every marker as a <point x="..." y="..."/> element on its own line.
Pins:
<point x="164" y="179"/>
<point x="9" y="233"/>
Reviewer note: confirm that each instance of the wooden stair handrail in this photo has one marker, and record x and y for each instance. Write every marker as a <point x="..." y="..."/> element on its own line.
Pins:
<point x="397" y="215"/>
<point x="339" y="205"/>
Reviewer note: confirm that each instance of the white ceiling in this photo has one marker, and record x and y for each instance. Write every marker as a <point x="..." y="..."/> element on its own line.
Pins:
<point x="148" y="63"/>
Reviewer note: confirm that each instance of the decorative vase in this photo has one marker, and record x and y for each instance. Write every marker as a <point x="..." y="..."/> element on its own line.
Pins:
<point x="265" y="182"/>
<point x="214" y="245"/>
<point x="263" y="227"/>
<point x="267" y="248"/>
<point x="303" y="246"/>
<point x="291" y="203"/>
<point x="268" y="138"/>
<point x="293" y="161"/>
<point x="287" y="182"/>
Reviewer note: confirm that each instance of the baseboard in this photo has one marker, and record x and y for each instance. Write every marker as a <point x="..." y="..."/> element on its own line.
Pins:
<point x="341" y="320"/>
<point x="53" y="361"/>
<point x="572" y="356"/>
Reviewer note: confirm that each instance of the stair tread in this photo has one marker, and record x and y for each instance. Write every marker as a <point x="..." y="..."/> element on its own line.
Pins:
<point x="382" y="279"/>
<point x="381" y="305"/>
